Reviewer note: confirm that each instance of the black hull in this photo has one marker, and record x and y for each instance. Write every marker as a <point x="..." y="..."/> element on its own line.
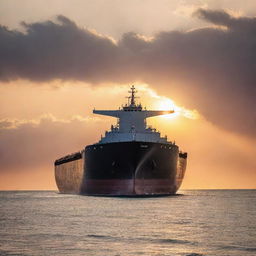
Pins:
<point x="122" y="169"/>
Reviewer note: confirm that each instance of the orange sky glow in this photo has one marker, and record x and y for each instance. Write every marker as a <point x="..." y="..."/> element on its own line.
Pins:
<point x="217" y="159"/>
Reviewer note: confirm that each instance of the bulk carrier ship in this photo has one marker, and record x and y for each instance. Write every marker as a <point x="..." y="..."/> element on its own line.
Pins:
<point x="132" y="159"/>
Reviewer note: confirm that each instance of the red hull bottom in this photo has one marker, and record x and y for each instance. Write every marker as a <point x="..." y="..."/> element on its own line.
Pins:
<point x="129" y="187"/>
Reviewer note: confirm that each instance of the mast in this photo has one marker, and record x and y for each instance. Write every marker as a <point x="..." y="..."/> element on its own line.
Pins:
<point x="132" y="97"/>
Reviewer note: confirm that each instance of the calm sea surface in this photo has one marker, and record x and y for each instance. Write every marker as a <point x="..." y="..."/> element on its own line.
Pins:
<point x="206" y="222"/>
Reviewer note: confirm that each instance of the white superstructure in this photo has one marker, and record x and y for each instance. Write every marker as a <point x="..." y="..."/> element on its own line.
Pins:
<point x="131" y="125"/>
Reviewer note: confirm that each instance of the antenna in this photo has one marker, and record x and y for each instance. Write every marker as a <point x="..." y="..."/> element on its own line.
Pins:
<point x="132" y="91"/>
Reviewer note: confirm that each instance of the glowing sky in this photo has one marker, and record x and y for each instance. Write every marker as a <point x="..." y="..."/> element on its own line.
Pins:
<point x="198" y="57"/>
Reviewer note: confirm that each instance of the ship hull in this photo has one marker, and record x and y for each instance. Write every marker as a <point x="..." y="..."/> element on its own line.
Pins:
<point x="122" y="169"/>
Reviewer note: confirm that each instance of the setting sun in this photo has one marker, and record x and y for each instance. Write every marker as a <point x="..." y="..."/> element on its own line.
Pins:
<point x="167" y="104"/>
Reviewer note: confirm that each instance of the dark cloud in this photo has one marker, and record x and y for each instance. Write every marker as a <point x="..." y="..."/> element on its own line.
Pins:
<point x="220" y="17"/>
<point x="51" y="50"/>
<point x="210" y="69"/>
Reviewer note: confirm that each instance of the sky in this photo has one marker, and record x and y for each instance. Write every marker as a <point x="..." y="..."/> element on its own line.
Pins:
<point x="61" y="59"/>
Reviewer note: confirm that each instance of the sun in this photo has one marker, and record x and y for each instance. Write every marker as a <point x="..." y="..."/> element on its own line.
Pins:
<point x="167" y="104"/>
<point x="164" y="103"/>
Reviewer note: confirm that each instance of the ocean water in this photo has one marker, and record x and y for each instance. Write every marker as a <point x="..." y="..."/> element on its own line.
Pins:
<point x="193" y="223"/>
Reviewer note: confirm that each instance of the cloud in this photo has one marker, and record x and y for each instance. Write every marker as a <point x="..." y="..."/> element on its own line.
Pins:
<point x="33" y="143"/>
<point x="51" y="50"/>
<point x="210" y="69"/>
<point x="223" y="18"/>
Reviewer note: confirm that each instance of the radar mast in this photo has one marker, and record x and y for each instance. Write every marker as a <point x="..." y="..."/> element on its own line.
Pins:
<point x="132" y="91"/>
